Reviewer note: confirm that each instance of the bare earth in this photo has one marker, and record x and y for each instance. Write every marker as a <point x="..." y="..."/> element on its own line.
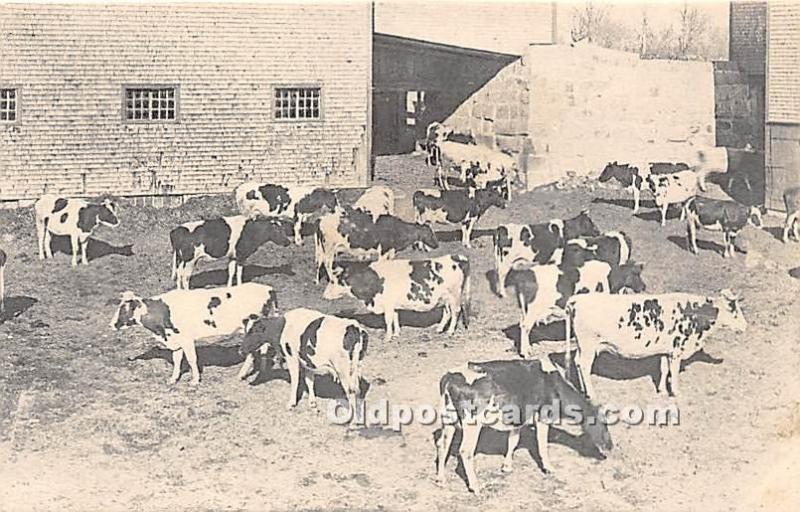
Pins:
<point x="82" y="428"/>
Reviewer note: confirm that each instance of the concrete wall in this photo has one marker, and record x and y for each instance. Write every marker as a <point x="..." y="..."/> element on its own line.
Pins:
<point x="739" y="106"/>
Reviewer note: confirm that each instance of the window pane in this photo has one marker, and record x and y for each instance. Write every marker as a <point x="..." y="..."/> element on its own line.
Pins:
<point x="12" y="116"/>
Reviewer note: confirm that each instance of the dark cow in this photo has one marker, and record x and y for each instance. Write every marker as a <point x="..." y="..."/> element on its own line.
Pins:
<point x="75" y="218"/>
<point x="718" y="215"/>
<point x="297" y="203"/>
<point x="462" y="207"/>
<point x="671" y="325"/>
<point x="235" y="237"/>
<point x="613" y="247"/>
<point x="386" y="286"/>
<point x="313" y="343"/>
<point x="357" y="233"/>
<point x="536" y="243"/>
<point x="542" y="291"/>
<point x="791" y="199"/>
<point x="180" y="318"/>
<point x="508" y="396"/>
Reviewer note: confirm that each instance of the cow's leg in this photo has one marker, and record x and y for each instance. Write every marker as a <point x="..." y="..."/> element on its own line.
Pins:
<point x="469" y="442"/>
<point x="542" y="432"/>
<point x="674" y="370"/>
<point x="725" y="243"/>
<point x="75" y="243"/>
<point x="312" y="397"/>
<point x="40" y="235"/>
<point x="388" y="319"/>
<point x="231" y="272"/>
<point x="664" y="209"/>
<point x="48" y="250"/>
<point x="294" y="381"/>
<point x="584" y="361"/>
<point x="83" y="242"/>
<point x="239" y="270"/>
<point x="525" y="328"/>
<point x="636" y="195"/>
<point x="683" y="212"/>
<point x="513" y="441"/>
<point x="298" y="226"/>
<point x="446" y="314"/>
<point x="796" y="228"/>
<point x="191" y="358"/>
<point x="662" y="381"/>
<point x="732" y="244"/>
<point x="395" y="322"/>
<point x="247" y="366"/>
<point x="691" y="231"/>
<point x="177" y="359"/>
<point x="453" y="310"/>
<point x="443" y="450"/>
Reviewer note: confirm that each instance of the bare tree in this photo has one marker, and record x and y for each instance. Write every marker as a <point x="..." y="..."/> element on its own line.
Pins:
<point x="588" y="20"/>
<point x="693" y="25"/>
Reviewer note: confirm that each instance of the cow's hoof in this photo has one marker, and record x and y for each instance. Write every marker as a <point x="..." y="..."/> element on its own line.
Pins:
<point x="290" y="406"/>
<point x="507" y="468"/>
<point x="313" y="406"/>
<point x="475" y="490"/>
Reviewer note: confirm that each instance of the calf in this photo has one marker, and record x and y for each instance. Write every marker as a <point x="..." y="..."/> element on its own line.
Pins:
<point x="543" y="290"/>
<point x="718" y="215"/>
<point x="791" y="199"/>
<point x="462" y="207"/>
<point x="536" y="243"/>
<point x="296" y="203"/>
<point x="357" y="234"/>
<point x="612" y="247"/>
<point x="672" y="325"/>
<point x="76" y="218"/>
<point x="675" y="188"/>
<point x="508" y="396"/>
<point x="312" y="343"/>
<point x="376" y="201"/>
<point x="180" y="318"/>
<point x="235" y="237"/>
<point x="385" y="286"/>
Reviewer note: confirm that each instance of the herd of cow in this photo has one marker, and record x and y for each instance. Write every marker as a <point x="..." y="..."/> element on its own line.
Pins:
<point x="560" y="269"/>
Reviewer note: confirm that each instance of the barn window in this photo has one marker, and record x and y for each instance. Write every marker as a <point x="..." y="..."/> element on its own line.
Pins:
<point x="8" y="105"/>
<point x="151" y="104"/>
<point x="296" y="103"/>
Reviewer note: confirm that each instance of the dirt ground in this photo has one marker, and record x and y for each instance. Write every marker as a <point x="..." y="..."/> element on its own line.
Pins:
<point x="83" y="428"/>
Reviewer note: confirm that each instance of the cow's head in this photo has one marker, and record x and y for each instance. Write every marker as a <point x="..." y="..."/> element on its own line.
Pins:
<point x="130" y="311"/>
<point x="107" y="213"/>
<point x="580" y="225"/>
<point x="627" y="278"/>
<point x="594" y="425"/>
<point x="338" y="286"/>
<point x="425" y="238"/>
<point x="730" y="311"/>
<point x="273" y="229"/>
<point x="263" y="330"/>
<point x="489" y="197"/>
<point x="611" y="170"/>
<point x="755" y="215"/>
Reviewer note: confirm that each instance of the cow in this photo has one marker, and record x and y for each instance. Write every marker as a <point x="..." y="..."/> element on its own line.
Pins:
<point x="385" y="286"/>
<point x="537" y="243"/>
<point x="675" y="188"/>
<point x="542" y="291"/>
<point x="634" y="176"/>
<point x="791" y="199"/>
<point x="312" y="343"/>
<point x="356" y="233"/>
<point x="613" y="247"/>
<point x="462" y="207"/>
<point x="508" y="395"/>
<point x="671" y="325"/>
<point x="376" y="201"/>
<point x="296" y="203"/>
<point x="436" y="133"/>
<point x="234" y="237"/>
<point x="76" y="218"/>
<point x="718" y="215"/>
<point x="180" y="318"/>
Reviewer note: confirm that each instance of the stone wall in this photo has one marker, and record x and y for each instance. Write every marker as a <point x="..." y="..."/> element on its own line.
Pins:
<point x="739" y="107"/>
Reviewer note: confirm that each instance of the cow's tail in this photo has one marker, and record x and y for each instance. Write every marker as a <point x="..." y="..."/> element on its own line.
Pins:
<point x="569" y="318"/>
<point x="319" y="253"/>
<point x="687" y="207"/>
<point x="463" y="264"/>
<point x="174" y="263"/>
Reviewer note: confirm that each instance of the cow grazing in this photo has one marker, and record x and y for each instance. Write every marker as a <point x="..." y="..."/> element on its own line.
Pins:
<point x="718" y="215"/>
<point x="296" y="203"/>
<point x="542" y="291"/>
<point x="675" y="188"/>
<point x="508" y="396"/>
<point x="180" y="318"/>
<point x="791" y="199"/>
<point x="376" y="201"/>
<point x="76" y="218"/>
<point x="672" y="325"/>
<point x="613" y="247"/>
<point x="386" y="286"/>
<point x="462" y="207"/>
<point x="536" y="243"/>
<point x="235" y="237"/>
<point x="312" y="343"/>
<point x="356" y="233"/>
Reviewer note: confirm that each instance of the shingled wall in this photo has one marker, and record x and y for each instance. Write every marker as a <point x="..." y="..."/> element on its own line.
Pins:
<point x="70" y="64"/>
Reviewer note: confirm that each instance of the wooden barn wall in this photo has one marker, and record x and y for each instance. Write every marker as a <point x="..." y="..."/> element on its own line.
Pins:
<point x="70" y="63"/>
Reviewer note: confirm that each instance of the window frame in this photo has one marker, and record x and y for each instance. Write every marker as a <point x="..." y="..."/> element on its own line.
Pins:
<point x="17" y="90"/>
<point x="124" y="103"/>
<point x="301" y="85"/>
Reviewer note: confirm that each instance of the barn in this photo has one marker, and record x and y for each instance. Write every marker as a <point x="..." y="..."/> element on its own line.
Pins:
<point x="169" y="101"/>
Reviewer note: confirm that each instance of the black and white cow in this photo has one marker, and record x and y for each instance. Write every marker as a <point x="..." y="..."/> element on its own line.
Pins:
<point x="718" y="215"/>
<point x="76" y="218"/>
<point x="537" y="243"/>
<point x="675" y="188"/>
<point x="612" y="247"/>
<point x="235" y="237"/>
<point x="791" y="199"/>
<point x="507" y="396"/>
<point x="634" y="176"/>
<point x="435" y="134"/>
<point x="180" y="318"/>
<point x="386" y="286"/>
<point x="376" y="201"/>
<point x="356" y="233"/>
<point x="311" y="343"/>
<point x="542" y="291"/>
<point x="671" y="325"/>
<point x="462" y="207"/>
<point x="296" y="203"/>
